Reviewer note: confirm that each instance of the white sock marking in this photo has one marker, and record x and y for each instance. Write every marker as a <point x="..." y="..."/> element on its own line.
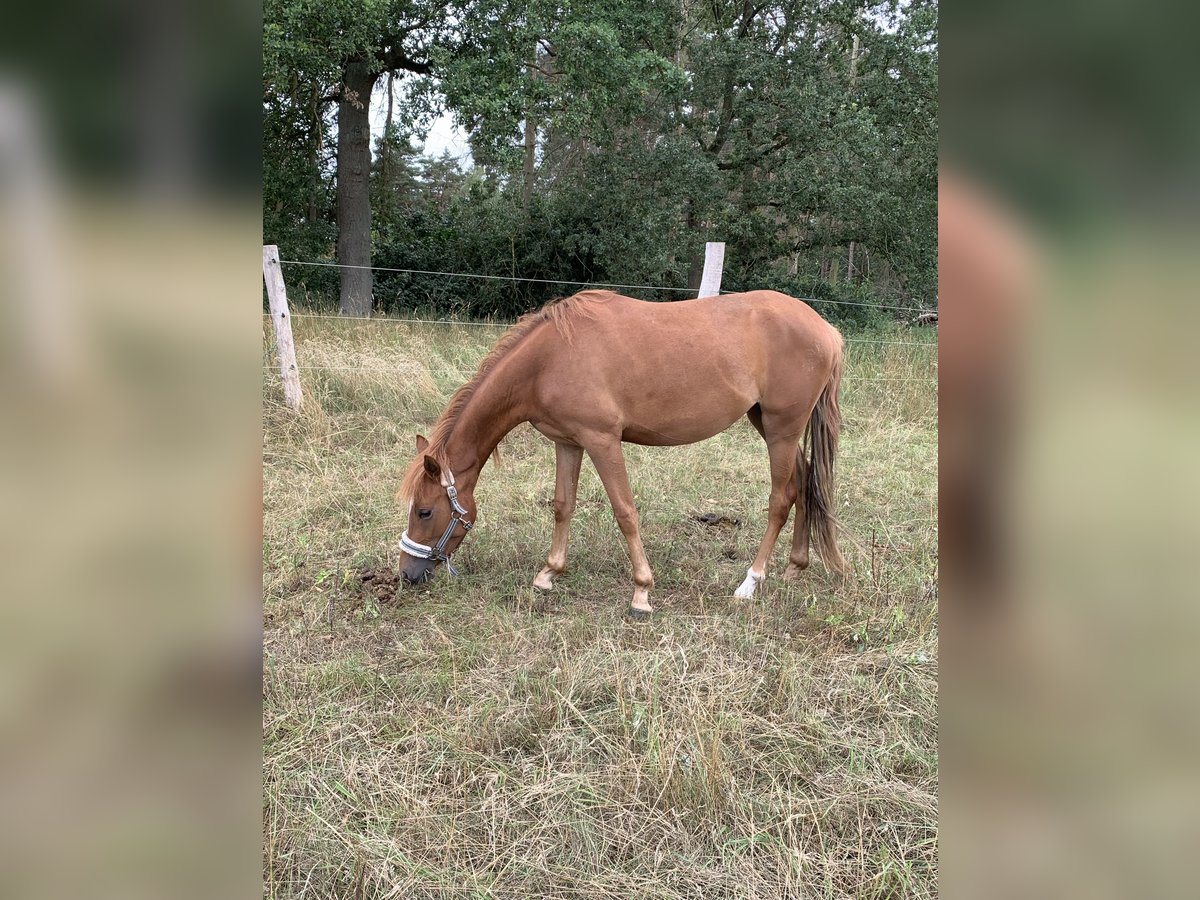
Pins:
<point x="753" y="579"/>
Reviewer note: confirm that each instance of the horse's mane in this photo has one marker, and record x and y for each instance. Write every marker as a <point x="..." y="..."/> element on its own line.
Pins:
<point x="564" y="312"/>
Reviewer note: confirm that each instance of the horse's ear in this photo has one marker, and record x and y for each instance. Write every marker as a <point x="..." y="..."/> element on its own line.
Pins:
<point x="422" y="443"/>
<point x="432" y="469"/>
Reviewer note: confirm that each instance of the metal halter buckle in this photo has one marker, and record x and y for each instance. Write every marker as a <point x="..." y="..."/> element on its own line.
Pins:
<point x="438" y="552"/>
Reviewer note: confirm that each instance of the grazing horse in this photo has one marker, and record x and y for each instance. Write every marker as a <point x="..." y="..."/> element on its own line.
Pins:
<point x="596" y="369"/>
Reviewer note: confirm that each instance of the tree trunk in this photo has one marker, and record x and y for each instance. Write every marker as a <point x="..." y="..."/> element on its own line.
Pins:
<point x="696" y="267"/>
<point x="314" y="153"/>
<point x="527" y="169"/>
<point x="353" y="183"/>
<point x="853" y="80"/>
<point x="386" y="155"/>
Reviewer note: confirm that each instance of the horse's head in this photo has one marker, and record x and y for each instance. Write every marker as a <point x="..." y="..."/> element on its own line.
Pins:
<point x="439" y="517"/>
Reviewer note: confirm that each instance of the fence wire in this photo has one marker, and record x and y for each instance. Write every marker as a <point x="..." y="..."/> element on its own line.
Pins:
<point x="485" y="324"/>
<point x="585" y="284"/>
<point x="849" y="377"/>
<point x="385" y="320"/>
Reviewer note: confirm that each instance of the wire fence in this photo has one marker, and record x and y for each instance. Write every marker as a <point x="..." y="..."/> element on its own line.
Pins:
<point x="374" y="368"/>
<point x="850" y="376"/>
<point x="874" y="545"/>
<point x="585" y="284"/>
<point x="468" y="323"/>
<point x="270" y="368"/>
<point x="386" y="320"/>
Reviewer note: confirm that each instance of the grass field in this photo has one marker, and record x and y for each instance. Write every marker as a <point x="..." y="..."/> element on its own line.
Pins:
<point x="477" y="739"/>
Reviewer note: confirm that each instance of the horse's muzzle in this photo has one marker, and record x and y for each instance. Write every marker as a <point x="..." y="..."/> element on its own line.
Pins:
<point x="417" y="571"/>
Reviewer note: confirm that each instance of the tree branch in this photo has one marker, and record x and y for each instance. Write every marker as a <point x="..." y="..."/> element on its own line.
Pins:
<point x="757" y="155"/>
<point x="538" y="68"/>
<point x="396" y="58"/>
<point x="749" y="14"/>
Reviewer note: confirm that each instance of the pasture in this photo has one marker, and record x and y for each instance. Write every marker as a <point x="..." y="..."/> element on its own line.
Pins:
<point x="475" y="738"/>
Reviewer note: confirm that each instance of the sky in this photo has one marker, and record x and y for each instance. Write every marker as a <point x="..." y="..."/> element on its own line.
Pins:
<point x="444" y="135"/>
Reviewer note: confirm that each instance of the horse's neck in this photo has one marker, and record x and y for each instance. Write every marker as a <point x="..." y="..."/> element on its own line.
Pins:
<point x="496" y="407"/>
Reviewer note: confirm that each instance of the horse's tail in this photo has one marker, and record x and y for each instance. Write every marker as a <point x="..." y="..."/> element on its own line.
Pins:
<point x="821" y="438"/>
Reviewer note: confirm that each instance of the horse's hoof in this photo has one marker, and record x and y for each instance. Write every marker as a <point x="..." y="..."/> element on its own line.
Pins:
<point x="638" y="615"/>
<point x="793" y="572"/>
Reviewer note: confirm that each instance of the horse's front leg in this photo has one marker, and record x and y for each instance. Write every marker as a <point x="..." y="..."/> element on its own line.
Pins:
<point x="567" y="459"/>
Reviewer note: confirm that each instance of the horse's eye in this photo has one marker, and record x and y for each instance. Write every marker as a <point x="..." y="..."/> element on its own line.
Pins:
<point x="424" y="513"/>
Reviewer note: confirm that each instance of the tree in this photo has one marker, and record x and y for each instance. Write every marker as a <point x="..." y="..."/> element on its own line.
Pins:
<point x="610" y="141"/>
<point x="337" y="50"/>
<point x="728" y="120"/>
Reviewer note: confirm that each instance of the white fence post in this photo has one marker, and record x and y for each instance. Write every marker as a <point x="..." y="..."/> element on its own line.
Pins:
<point x="714" y="263"/>
<point x="277" y="296"/>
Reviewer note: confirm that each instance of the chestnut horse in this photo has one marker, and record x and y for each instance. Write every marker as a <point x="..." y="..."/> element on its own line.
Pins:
<point x="596" y="369"/>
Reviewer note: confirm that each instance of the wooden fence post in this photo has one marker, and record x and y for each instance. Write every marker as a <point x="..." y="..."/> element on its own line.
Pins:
<point x="277" y="296"/>
<point x="714" y="263"/>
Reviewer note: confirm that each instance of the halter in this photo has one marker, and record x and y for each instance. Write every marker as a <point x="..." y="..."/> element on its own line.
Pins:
<point x="438" y="552"/>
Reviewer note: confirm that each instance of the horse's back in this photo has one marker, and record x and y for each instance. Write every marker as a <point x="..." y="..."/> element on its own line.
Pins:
<point x="753" y="329"/>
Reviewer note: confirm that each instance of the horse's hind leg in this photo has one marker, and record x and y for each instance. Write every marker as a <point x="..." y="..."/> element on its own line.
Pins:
<point x="610" y="466"/>
<point x="781" y="448"/>
<point x="567" y="459"/>
<point x="754" y="414"/>
<point x="798" y="558"/>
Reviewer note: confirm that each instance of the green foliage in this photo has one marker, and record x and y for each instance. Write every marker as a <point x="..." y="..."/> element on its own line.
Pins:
<point x="307" y="45"/>
<point x="792" y="131"/>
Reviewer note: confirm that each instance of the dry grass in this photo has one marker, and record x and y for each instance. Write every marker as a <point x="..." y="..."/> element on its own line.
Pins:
<point x="477" y="739"/>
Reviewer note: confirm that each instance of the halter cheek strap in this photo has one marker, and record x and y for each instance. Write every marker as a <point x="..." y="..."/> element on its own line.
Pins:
<point x="438" y="551"/>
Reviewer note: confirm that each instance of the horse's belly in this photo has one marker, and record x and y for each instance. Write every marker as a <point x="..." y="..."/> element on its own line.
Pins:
<point x="651" y="437"/>
<point x="685" y="424"/>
